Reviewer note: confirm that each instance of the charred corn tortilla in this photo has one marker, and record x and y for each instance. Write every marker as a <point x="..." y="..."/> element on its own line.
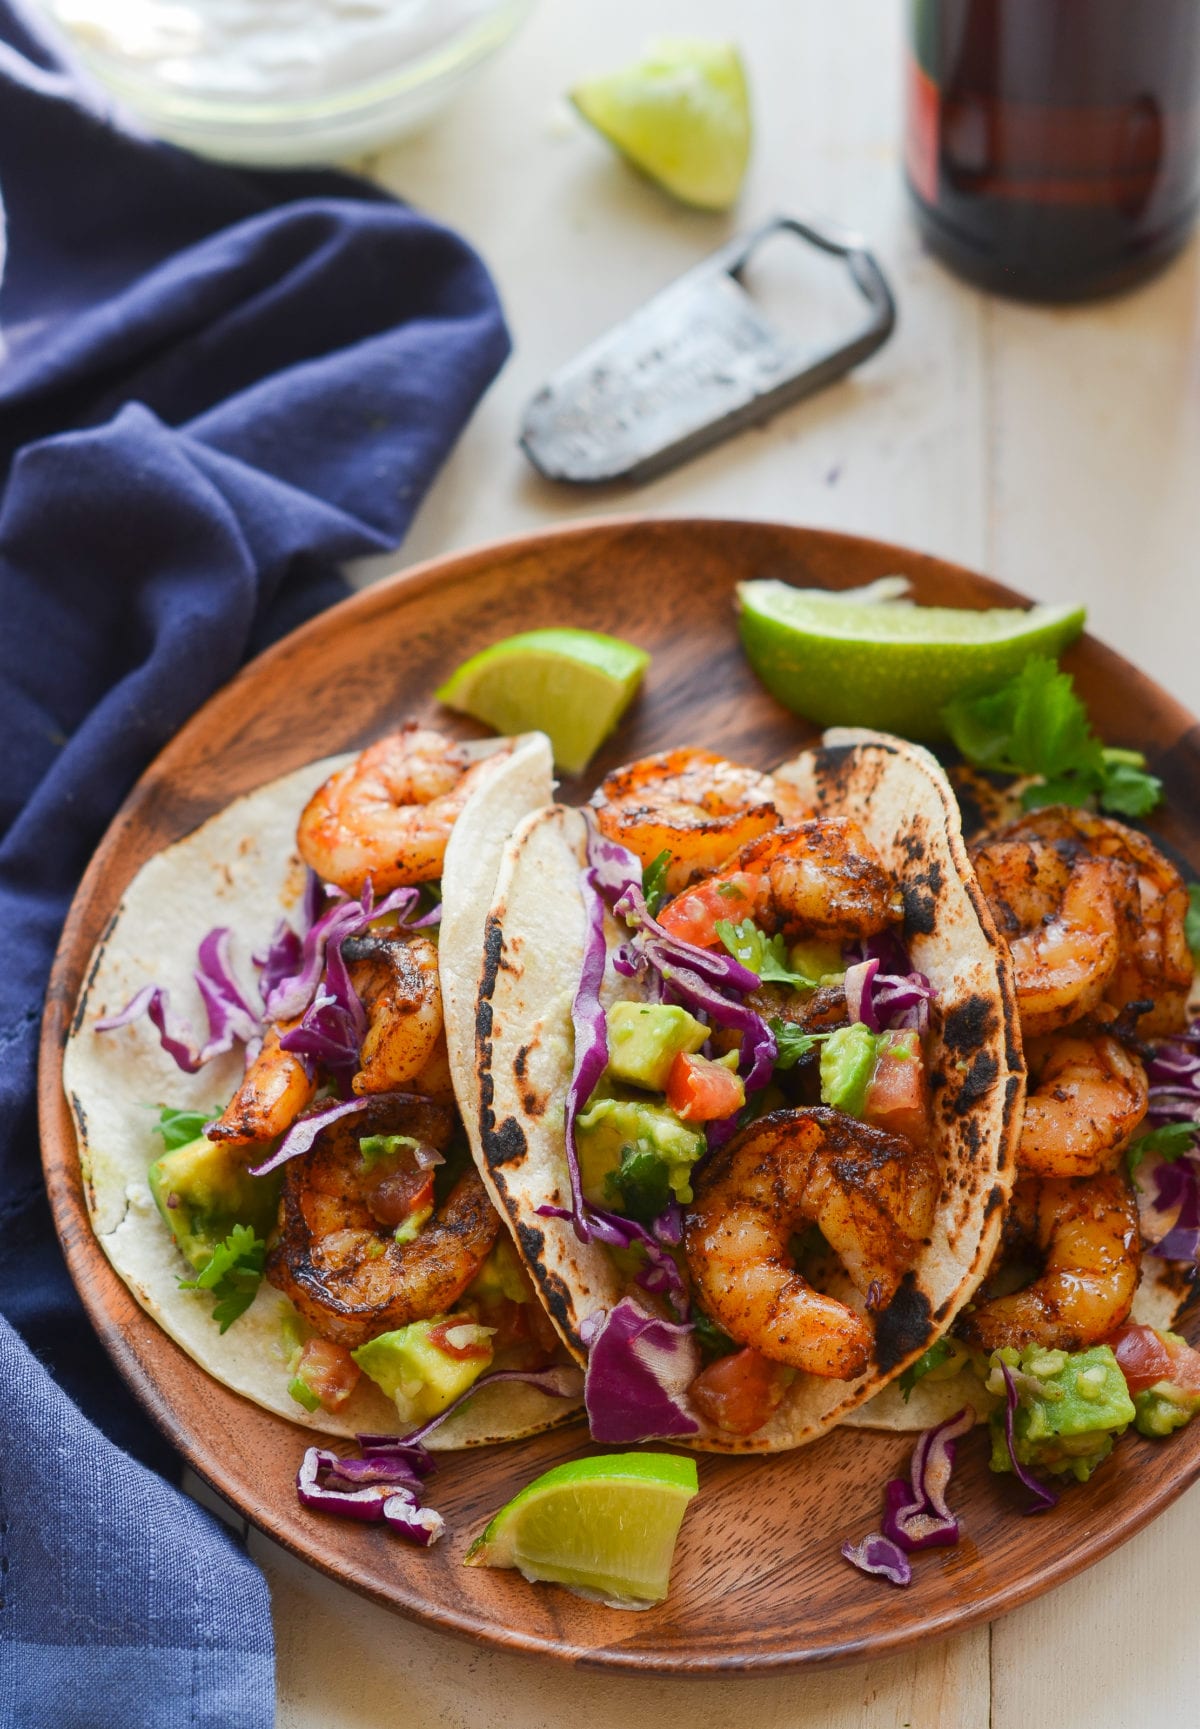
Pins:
<point x="533" y="954"/>
<point x="241" y="869"/>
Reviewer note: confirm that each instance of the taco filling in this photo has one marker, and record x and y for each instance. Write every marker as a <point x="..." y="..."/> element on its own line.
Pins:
<point x="748" y="1169"/>
<point x="337" y="1179"/>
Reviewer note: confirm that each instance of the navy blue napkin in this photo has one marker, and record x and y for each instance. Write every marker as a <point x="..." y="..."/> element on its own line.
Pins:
<point x="214" y="386"/>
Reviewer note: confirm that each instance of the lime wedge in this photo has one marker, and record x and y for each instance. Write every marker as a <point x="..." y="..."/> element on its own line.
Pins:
<point x="573" y="685"/>
<point x="869" y="658"/>
<point x="681" y="114"/>
<point x="605" y="1527"/>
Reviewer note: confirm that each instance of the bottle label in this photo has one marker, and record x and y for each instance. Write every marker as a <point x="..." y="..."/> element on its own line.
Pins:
<point x="921" y="134"/>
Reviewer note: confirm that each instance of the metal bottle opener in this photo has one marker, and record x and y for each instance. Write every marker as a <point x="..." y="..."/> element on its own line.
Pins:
<point x="692" y="366"/>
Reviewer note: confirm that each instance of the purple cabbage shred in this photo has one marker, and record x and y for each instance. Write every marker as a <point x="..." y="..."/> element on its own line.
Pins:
<point x="916" y="1514"/>
<point x="1043" y="1497"/>
<point x="639" y="1368"/>
<point x="230" y="1017"/>
<point x="879" y="1555"/>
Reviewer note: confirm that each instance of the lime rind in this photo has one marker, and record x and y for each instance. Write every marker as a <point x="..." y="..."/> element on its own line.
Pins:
<point x="680" y="114"/>
<point x="840" y="660"/>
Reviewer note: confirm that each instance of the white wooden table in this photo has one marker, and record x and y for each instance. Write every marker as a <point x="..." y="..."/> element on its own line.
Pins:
<point x="1057" y="450"/>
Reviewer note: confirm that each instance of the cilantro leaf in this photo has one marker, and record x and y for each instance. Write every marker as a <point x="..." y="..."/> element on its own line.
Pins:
<point x="933" y="1358"/>
<point x="641" y="1188"/>
<point x="1036" y="725"/>
<point x="762" y="954"/>
<point x="792" y="1042"/>
<point x="1191" y="924"/>
<point x="1128" y="789"/>
<point x="1168" y="1143"/>
<point x="177" y="1128"/>
<point x="232" y="1273"/>
<point x="654" y="882"/>
<point x="711" y="1338"/>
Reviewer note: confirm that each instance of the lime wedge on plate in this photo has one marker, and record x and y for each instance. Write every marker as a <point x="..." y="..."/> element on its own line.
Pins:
<point x="605" y="1527"/>
<point x="866" y="657"/>
<point x="573" y="685"/>
<point x="681" y="114"/>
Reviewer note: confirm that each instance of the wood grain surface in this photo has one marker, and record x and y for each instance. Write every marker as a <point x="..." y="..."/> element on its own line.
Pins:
<point x="758" y="1581"/>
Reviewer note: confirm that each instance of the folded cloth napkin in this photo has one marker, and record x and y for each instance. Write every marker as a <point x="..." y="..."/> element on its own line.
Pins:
<point x="213" y="386"/>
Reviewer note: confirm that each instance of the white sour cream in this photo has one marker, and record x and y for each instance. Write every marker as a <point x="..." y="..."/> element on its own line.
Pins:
<point x="268" y="50"/>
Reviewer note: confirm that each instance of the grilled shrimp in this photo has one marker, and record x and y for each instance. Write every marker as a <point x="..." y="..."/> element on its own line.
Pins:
<point x="871" y="1194"/>
<point x="388" y="814"/>
<point x="1154" y="963"/>
<point x="1087" y="1099"/>
<point x="275" y="1089"/>
<point x="396" y="978"/>
<point x="1059" y="916"/>
<point x="820" y="879"/>
<point x="1088" y="1230"/>
<point x="337" y="1257"/>
<point x="695" y="805"/>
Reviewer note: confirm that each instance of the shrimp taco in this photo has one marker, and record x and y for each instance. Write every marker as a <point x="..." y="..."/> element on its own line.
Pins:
<point x="749" y="1083"/>
<point x="1100" y="1241"/>
<point x="294" y="1200"/>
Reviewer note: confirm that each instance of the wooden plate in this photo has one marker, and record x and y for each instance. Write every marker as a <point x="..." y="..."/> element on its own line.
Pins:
<point x="758" y="1581"/>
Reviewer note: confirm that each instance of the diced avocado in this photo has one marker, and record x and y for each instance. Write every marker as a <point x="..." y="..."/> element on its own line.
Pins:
<point x="410" y="1367"/>
<point x="203" y="1189"/>
<point x="1163" y="1408"/>
<point x="847" y="1062"/>
<point x="614" y="1134"/>
<point x="299" y="1389"/>
<point x="645" y="1038"/>
<point x="821" y="963"/>
<point x="1072" y="1406"/>
<point x="500" y="1276"/>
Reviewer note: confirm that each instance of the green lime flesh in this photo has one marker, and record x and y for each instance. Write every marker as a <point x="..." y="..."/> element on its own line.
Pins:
<point x="573" y="685"/>
<point x="886" y="664"/>
<point x="604" y="1525"/>
<point x="681" y="114"/>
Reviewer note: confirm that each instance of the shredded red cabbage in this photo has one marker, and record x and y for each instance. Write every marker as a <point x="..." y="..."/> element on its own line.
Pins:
<point x="883" y="990"/>
<point x="661" y="1272"/>
<point x="1043" y="1498"/>
<point x="387" y="1493"/>
<point x="560" y="1381"/>
<point x="591" y="1040"/>
<point x="878" y="1554"/>
<point x="230" y="1017"/>
<point x="1174" y="1075"/>
<point x="916" y="1515"/>
<point x="287" y="993"/>
<point x="638" y="1370"/>
<point x="305" y="1130"/>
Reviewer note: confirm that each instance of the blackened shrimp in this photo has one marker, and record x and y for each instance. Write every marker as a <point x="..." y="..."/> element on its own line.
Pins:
<point x="1087" y="1231"/>
<point x="1154" y="964"/>
<point x="1059" y="915"/>
<point x="1086" y="1100"/>
<point x="337" y="1257"/>
<point x="396" y="977"/>
<point x="871" y="1194"/>
<point x="274" y="1090"/>
<point x="388" y="814"/>
<point x="696" y="806"/>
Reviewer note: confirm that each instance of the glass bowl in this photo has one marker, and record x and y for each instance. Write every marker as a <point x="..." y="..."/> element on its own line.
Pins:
<point x="329" y="81"/>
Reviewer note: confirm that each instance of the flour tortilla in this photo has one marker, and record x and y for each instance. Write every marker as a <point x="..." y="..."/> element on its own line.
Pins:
<point x="241" y="869"/>
<point x="532" y="960"/>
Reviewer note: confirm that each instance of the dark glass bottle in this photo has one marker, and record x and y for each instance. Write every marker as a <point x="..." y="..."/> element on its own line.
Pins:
<point x="1053" y="146"/>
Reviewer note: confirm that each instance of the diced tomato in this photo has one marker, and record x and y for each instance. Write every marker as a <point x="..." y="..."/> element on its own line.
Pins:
<point x="471" y="1341"/>
<point x="523" y="1329"/>
<point x="695" y="914"/>
<point x="897" y="1096"/>
<point x="701" y="1091"/>
<point x="398" y="1195"/>
<point x="1145" y="1357"/>
<point x="738" y="1393"/>
<point x="328" y="1371"/>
